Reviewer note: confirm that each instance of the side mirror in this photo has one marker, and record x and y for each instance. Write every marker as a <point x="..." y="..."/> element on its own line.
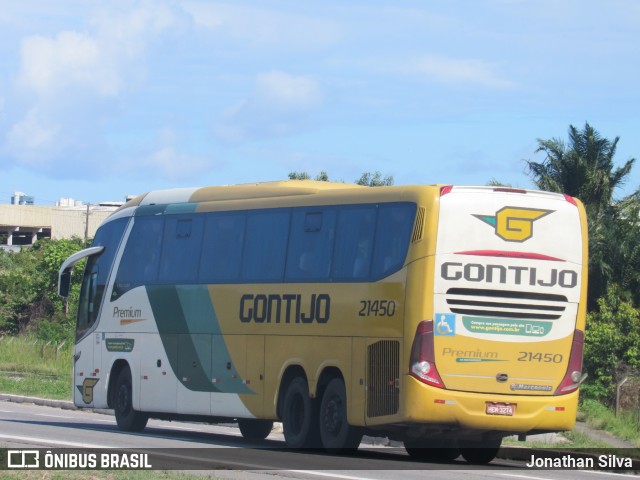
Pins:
<point x="64" y="275"/>
<point x="64" y="284"/>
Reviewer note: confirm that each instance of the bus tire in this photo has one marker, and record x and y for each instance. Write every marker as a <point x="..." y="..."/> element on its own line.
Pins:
<point x="335" y="432"/>
<point x="299" y="416"/>
<point x="254" y="429"/>
<point x="480" y="453"/>
<point x="432" y="450"/>
<point x="128" y="419"/>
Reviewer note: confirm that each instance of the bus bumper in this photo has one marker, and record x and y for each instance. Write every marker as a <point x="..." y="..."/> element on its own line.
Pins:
<point x="424" y="404"/>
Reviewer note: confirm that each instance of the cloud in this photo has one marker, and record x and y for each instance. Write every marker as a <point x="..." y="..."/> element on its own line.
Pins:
<point x="68" y="60"/>
<point x="71" y="84"/>
<point x="165" y="160"/>
<point x="460" y="71"/>
<point x="279" y="104"/>
<point x="34" y="133"/>
<point x="286" y="92"/>
<point x="101" y="61"/>
<point x="264" y="28"/>
<point x="457" y="72"/>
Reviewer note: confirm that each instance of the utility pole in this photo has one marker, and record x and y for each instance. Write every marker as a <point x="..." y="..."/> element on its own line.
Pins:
<point x="86" y="226"/>
<point x="618" y="387"/>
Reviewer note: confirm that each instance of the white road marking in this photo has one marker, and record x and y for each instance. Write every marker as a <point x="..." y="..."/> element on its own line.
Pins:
<point x="48" y="441"/>
<point x="326" y="474"/>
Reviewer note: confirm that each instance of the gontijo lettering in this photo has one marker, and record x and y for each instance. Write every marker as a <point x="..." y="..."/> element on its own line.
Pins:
<point x="477" y="272"/>
<point x="287" y="308"/>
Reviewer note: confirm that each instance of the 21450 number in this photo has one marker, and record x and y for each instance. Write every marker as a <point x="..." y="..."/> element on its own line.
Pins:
<point x="377" y="308"/>
<point x="540" y="357"/>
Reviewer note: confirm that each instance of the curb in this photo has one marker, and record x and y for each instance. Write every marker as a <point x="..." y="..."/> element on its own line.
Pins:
<point x="46" y="402"/>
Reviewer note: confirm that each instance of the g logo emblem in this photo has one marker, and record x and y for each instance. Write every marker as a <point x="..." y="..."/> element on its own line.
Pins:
<point x="86" y="389"/>
<point x="514" y="224"/>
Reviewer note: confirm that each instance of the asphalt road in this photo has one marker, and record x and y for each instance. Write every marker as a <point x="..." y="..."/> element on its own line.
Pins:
<point x="221" y="449"/>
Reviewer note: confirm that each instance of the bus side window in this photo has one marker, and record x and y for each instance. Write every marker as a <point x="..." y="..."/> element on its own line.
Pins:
<point x="222" y="247"/>
<point x="181" y="249"/>
<point x="393" y="232"/>
<point x="141" y="257"/>
<point x="354" y="243"/>
<point x="311" y="244"/>
<point x="265" y="246"/>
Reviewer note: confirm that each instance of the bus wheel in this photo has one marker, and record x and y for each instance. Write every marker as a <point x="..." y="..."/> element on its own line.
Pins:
<point x="299" y="416"/>
<point x="480" y="453"/>
<point x="432" y="450"/>
<point x="252" y="429"/>
<point x="335" y="432"/>
<point x="127" y="418"/>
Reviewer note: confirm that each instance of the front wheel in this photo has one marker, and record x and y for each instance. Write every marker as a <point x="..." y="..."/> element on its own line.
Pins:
<point x="335" y="432"/>
<point x="127" y="418"/>
<point x="252" y="429"/>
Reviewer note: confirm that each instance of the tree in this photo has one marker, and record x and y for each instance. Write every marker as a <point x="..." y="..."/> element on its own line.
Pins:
<point x="374" y="180"/>
<point x="612" y="345"/>
<point x="368" y="179"/>
<point x="28" y="282"/>
<point x="584" y="168"/>
<point x="321" y="177"/>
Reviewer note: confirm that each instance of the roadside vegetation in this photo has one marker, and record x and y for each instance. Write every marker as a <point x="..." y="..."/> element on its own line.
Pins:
<point x="37" y="326"/>
<point x="34" y="367"/>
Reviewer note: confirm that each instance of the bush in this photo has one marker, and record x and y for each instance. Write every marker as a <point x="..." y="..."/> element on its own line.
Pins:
<point x="28" y="287"/>
<point x="612" y="346"/>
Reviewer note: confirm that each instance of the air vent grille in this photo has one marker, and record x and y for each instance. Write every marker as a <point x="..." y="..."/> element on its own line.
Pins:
<point x="419" y="227"/>
<point x="506" y="304"/>
<point x="383" y="378"/>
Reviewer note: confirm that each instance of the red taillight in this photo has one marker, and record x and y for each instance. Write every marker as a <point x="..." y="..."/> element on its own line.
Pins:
<point x="422" y="364"/>
<point x="573" y="378"/>
<point x="570" y="199"/>
<point x="509" y="190"/>
<point x="446" y="189"/>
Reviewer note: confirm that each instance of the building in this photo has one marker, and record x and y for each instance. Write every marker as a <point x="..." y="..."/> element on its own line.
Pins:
<point x="21" y="198"/>
<point x="22" y="224"/>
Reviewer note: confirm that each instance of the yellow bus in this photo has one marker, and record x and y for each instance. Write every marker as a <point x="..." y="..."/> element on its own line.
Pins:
<point x="445" y="317"/>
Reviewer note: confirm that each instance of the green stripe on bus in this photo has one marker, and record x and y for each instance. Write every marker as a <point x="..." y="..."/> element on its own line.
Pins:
<point x="201" y="363"/>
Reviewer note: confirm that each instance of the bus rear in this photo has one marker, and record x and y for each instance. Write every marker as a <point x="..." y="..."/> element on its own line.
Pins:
<point x="502" y="353"/>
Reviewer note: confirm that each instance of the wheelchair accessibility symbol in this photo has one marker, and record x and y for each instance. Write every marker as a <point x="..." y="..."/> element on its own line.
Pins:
<point x="445" y="324"/>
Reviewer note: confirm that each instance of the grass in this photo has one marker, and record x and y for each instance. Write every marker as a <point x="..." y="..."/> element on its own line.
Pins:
<point x="35" y="368"/>
<point x="572" y="440"/>
<point x="598" y="416"/>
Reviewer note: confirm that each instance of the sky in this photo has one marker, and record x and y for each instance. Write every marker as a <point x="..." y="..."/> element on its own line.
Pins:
<point x="103" y="99"/>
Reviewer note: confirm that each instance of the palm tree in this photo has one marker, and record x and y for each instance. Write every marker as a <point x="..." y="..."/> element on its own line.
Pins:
<point x="585" y="169"/>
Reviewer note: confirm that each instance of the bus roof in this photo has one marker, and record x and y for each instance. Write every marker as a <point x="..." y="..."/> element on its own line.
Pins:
<point x="244" y="191"/>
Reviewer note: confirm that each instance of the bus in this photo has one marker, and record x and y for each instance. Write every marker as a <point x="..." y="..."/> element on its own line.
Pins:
<point x="445" y="317"/>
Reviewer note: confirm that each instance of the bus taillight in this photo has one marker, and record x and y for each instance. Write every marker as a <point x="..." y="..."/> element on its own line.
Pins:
<point x="574" y="377"/>
<point x="422" y="363"/>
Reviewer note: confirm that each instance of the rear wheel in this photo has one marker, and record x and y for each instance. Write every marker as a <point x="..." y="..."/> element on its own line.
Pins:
<point x="300" y="416"/>
<point x="335" y="432"/>
<point x="252" y="429"/>
<point x="480" y="452"/>
<point x="127" y="418"/>
<point x="432" y="450"/>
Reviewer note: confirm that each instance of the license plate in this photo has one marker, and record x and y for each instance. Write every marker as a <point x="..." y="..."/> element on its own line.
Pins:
<point x="508" y="409"/>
